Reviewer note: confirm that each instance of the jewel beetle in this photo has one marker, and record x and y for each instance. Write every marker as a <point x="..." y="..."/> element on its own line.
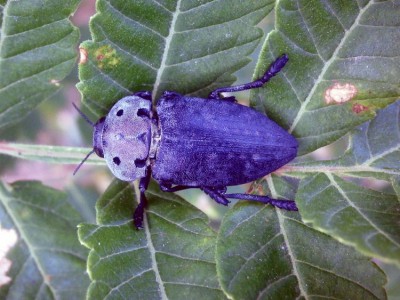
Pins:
<point x="189" y="142"/>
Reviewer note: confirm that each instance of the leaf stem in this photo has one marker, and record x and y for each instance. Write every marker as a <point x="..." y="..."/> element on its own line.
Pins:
<point x="50" y="154"/>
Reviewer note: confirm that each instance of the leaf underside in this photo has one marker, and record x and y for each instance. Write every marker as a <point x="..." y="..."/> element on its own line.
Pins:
<point x="37" y="50"/>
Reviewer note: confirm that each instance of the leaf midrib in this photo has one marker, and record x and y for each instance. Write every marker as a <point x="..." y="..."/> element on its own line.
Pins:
<point x="168" y="42"/>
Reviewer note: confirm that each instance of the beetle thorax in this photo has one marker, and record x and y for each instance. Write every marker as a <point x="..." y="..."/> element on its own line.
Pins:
<point x="124" y="138"/>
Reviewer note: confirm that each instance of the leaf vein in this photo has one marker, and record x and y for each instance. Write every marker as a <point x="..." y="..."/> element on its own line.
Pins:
<point x="130" y="54"/>
<point x="130" y="20"/>
<point x="248" y="259"/>
<point x="325" y="69"/>
<point x="365" y="217"/>
<point x="335" y="275"/>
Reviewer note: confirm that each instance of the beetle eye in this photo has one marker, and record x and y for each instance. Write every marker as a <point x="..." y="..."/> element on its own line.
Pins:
<point x="120" y="112"/>
<point x="140" y="163"/>
<point x="116" y="160"/>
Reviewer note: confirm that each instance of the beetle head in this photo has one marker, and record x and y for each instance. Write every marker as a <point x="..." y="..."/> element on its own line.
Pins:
<point x="123" y="138"/>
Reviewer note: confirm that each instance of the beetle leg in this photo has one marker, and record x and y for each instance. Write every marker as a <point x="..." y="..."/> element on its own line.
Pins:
<point x="283" y="204"/>
<point x="217" y="194"/>
<point x="139" y="211"/>
<point x="144" y="94"/>
<point x="168" y="187"/>
<point x="273" y="69"/>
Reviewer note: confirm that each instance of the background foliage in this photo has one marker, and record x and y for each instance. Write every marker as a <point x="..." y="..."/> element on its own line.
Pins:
<point x="342" y="82"/>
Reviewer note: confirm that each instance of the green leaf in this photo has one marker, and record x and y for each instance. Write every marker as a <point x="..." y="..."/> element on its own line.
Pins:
<point x="37" y="50"/>
<point x="191" y="47"/>
<point x="343" y="67"/>
<point x="47" y="262"/>
<point x="172" y="257"/>
<point x="392" y="287"/>
<point x="356" y="216"/>
<point x="266" y="253"/>
<point x="374" y="150"/>
<point x="50" y="154"/>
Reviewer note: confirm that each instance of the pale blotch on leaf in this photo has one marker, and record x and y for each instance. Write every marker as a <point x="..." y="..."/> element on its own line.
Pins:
<point x="8" y="239"/>
<point x="83" y="55"/>
<point x="55" y="82"/>
<point x="340" y="93"/>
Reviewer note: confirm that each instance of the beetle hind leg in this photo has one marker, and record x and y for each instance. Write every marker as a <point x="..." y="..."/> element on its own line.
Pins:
<point x="279" y="203"/>
<point x="217" y="194"/>
<point x="273" y="69"/>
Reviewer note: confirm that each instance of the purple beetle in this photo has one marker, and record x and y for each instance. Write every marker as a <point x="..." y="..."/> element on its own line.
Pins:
<point x="189" y="142"/>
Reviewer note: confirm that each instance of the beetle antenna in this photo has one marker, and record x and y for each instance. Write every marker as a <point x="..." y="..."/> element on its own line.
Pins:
<point x="83" y="115"/>
<point x="83" y="160"/>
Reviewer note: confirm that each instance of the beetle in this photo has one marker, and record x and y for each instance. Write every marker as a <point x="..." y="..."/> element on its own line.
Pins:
<point x="190" y="142"/>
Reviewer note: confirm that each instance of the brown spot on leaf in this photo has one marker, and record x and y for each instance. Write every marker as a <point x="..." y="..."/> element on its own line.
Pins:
<point x="106" y="57"/>
<point x="358" y="108"/>
<point x="83" y="55"/>
<point x="340" y="93"/>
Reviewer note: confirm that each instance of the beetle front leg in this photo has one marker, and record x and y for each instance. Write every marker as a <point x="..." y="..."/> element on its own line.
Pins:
<point x="139" y="211"/>
<point x="273" y="69"/>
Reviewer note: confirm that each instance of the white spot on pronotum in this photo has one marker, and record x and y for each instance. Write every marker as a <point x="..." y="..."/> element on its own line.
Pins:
<point x="8" y="239"/>
<point x="340" y="93"/>
<point x="83" y="55"/>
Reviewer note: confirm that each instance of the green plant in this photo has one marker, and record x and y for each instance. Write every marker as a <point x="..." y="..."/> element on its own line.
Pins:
<point x="342" y="81"/>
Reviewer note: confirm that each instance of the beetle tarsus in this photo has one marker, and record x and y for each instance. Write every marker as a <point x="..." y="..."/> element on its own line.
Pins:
<point x="279" y="203"/>
<point x="138" y="215"/>
<point x="273" y="69"/>
<point x="217" y="194"/>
